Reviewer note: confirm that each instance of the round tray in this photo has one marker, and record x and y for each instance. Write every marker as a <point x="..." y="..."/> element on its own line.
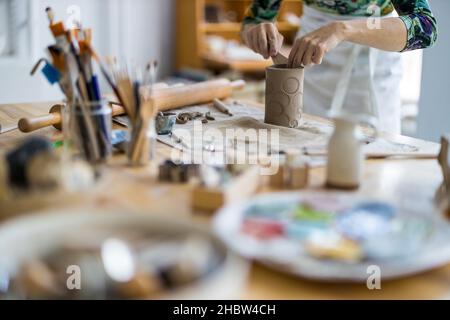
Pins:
<point x="35" y="235"/>
<point x="288" y="255"/>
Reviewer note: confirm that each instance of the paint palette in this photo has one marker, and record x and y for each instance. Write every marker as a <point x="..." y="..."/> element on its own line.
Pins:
<point x="335" y="236"/>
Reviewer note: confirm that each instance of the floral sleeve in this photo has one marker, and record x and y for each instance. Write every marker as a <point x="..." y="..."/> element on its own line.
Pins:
<point x="416" y="14"/>
<point x="419" y="21"/>
<point x="262" y="11"/>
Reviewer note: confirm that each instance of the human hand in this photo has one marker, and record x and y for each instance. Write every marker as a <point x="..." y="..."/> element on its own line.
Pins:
<point x="263" y="38"/>
<point x="311" y="48"/>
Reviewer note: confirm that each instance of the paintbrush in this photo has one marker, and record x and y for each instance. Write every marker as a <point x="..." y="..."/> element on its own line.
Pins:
<point x="126" y="91"/>
<point x="57" y="28"/>
<point x="50" y="14"/>
<point x="106" y="75"/>
<point x="58" y="58"/>
<point x="147" y="111"/>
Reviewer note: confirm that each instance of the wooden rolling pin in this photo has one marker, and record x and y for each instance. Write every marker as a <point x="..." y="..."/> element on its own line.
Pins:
<point x="54" y="119"/>
<point x="164" y="99"/>
<point x="202" y="92"/>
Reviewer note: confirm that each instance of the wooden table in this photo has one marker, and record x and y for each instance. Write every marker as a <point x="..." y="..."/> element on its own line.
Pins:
<point x="413" y="181"/>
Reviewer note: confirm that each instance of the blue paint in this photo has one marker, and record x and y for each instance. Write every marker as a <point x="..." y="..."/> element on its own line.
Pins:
<point x="366" y="220"/>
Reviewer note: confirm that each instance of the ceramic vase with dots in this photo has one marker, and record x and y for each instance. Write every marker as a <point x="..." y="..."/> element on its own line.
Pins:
<point x="284" y="96"/>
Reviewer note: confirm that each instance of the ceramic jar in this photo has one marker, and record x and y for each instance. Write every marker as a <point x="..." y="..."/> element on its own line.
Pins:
<point x="284" y="96"/>
<point x="345" y="155"/>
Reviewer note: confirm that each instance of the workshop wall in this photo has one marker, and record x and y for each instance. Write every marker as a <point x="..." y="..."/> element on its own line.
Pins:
<point x="136" y="30"/>
<point x="433" y="117"/>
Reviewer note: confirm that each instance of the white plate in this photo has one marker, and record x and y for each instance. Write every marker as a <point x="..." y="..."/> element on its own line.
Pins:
<point x="37" y="234"/>
<point x="284" y="256"/>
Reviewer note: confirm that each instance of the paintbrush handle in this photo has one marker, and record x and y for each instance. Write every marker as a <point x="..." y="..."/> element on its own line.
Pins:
<point x="139" y="142"/>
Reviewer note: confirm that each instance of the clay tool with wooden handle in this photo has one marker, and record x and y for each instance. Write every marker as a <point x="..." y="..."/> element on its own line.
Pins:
<point x="280" y="59"/>
<point x="222" y="107"/>
<point x="54" y="119"/>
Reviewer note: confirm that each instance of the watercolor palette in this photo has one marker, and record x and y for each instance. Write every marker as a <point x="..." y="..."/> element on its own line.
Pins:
<point x="334" y="236"/>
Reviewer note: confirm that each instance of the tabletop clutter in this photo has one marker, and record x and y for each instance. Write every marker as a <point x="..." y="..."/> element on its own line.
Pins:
<point x="321" y="227"/>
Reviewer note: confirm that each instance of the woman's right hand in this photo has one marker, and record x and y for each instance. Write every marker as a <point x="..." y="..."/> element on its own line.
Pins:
<point x="263" y="38"/>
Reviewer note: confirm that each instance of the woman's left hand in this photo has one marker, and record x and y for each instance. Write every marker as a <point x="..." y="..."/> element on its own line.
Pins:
<point x="311" y="48"/>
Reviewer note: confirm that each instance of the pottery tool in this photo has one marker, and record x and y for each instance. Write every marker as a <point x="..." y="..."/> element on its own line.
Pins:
<point x="178" y="140"/>
<point x="105" y="74"/>
<point x="443" y="159"/>
<point x="169" y="144"/>
<point x="140" y="109"/>
<point x="58" y="58"/>
<point x="57" y="28"/>
<point x="442" y="196"/>
<point x="139" y="135"/>
<point x="71" y="67"/>
<point x="50" y="72"/>
<point x="280" y="59"/>
<point x="222" y="107"/>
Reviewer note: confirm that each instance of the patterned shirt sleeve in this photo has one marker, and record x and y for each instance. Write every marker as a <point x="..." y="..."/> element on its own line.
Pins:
<point x="416" y="14"/>
<point x="262" y="11"/>
<point x="420" y="23"/>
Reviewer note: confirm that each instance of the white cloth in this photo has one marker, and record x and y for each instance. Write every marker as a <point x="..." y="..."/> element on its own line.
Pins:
<point x="385" y="68"/>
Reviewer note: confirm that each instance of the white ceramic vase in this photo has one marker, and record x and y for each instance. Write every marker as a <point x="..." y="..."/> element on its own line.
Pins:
<point x="345" y="155"/>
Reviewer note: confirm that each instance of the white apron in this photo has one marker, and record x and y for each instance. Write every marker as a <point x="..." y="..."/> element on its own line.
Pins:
<point x="373" y="69"/>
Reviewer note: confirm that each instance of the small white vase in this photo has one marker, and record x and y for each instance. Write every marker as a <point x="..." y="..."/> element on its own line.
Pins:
<point x="345" y="155"/>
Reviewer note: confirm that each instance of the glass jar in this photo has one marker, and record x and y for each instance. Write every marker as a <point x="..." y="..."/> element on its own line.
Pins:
<point x="87" y="131"/>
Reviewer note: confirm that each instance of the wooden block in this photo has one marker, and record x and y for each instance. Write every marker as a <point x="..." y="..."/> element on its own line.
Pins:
<point x="277" y="180"/>
<point x="298" y="176"/>
<point x="240" y="188"/>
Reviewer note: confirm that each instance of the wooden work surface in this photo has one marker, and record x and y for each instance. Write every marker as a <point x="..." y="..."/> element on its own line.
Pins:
<point x="410" y="180"/>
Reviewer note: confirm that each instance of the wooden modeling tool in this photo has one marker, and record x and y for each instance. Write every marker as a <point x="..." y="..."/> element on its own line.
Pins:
<point x="145" y="111"/>
<point x="442" y="196"/>
<point x="222" y="107"/>
<point x="138" y="143"/>
<point x="280" y="59"/>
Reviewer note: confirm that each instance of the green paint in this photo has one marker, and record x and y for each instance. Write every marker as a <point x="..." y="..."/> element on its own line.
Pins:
<point x="309" y="214"/>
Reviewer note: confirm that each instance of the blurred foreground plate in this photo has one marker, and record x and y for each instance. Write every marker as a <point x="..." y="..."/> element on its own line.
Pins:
<point x="426" y="247"/>
<point x="35" y="236"/>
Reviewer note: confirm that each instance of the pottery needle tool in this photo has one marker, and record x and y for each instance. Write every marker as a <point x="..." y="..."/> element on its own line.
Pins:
<point x="172" y="145"/>
<point x="178" y="140"/>
<point x="222" y="107"/>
